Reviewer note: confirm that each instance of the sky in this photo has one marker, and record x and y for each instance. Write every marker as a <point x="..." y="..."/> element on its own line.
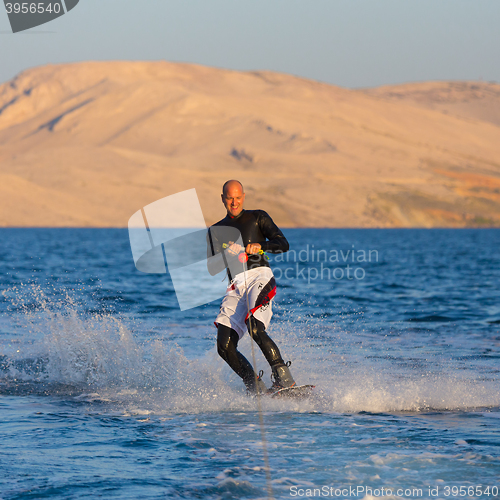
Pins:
<point x="351" y="43"/>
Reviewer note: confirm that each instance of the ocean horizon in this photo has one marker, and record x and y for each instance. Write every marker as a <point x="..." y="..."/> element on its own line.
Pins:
<point x="108" y="389"/>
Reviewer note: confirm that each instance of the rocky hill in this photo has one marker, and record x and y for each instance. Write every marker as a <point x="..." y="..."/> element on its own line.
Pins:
<point x="88" y="144"/>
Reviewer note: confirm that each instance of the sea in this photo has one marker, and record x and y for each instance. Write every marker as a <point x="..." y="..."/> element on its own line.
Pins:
<point x="109" y="390"/>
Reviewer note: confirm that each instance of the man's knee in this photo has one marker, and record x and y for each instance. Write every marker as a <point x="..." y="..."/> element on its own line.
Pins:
<point x="227" y="340"/>
<point x="257" y="329"/>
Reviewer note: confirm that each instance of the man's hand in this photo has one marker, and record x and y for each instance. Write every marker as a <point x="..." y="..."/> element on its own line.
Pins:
<point x="252" y="248"/>
<point x="234" y="248"/>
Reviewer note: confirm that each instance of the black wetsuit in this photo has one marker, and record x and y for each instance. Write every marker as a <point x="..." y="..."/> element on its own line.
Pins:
<point x="255" y="226"/>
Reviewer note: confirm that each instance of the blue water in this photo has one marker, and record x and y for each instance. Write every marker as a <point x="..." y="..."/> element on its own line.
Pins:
<point x="108" y="390"/>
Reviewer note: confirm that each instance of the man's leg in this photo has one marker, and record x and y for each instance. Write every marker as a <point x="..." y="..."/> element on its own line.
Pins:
<point x="281" y="372"/>
<point x="227" y="342"/>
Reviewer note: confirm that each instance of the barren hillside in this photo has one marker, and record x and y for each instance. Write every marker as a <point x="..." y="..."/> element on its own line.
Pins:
<point x="88" y="144"/>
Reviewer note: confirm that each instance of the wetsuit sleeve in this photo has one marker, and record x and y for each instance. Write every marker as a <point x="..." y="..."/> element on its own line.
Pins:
<point x="277" y="242"/>
<point x="215" y="261"/>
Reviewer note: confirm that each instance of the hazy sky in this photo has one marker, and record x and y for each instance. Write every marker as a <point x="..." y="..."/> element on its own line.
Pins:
<point x="353" y="43"/>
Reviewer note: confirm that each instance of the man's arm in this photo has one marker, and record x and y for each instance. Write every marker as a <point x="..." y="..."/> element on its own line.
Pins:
<point x="277" y="242"/>
<point x="215" y="261"/>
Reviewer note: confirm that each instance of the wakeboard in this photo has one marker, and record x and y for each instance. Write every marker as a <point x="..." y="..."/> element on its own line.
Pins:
<point x="295" y="392"/>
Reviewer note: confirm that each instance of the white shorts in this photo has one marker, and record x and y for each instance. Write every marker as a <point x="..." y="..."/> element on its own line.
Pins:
<point x="261" y="290"/>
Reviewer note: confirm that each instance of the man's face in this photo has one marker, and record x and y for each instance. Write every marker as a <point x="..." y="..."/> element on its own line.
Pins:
<point x="233" y="199"/>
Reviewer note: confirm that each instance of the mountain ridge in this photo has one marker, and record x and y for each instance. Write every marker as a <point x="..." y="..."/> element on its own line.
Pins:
<point x="88" y="144"/>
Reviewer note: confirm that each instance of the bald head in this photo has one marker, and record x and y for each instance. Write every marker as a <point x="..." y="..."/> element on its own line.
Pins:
<point x="233" y="197"/>
<point x="230" y="184"/>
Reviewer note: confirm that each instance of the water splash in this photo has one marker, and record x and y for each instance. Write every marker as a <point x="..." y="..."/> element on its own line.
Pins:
<point x="67" y="349"/>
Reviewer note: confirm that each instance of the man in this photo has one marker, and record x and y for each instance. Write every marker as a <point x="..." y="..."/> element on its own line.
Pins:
<point x="248" y="299"/>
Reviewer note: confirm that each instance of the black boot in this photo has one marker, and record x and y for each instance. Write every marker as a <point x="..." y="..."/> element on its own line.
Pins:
<point x="282" y="378"/>
<point x="255" y="387"/>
